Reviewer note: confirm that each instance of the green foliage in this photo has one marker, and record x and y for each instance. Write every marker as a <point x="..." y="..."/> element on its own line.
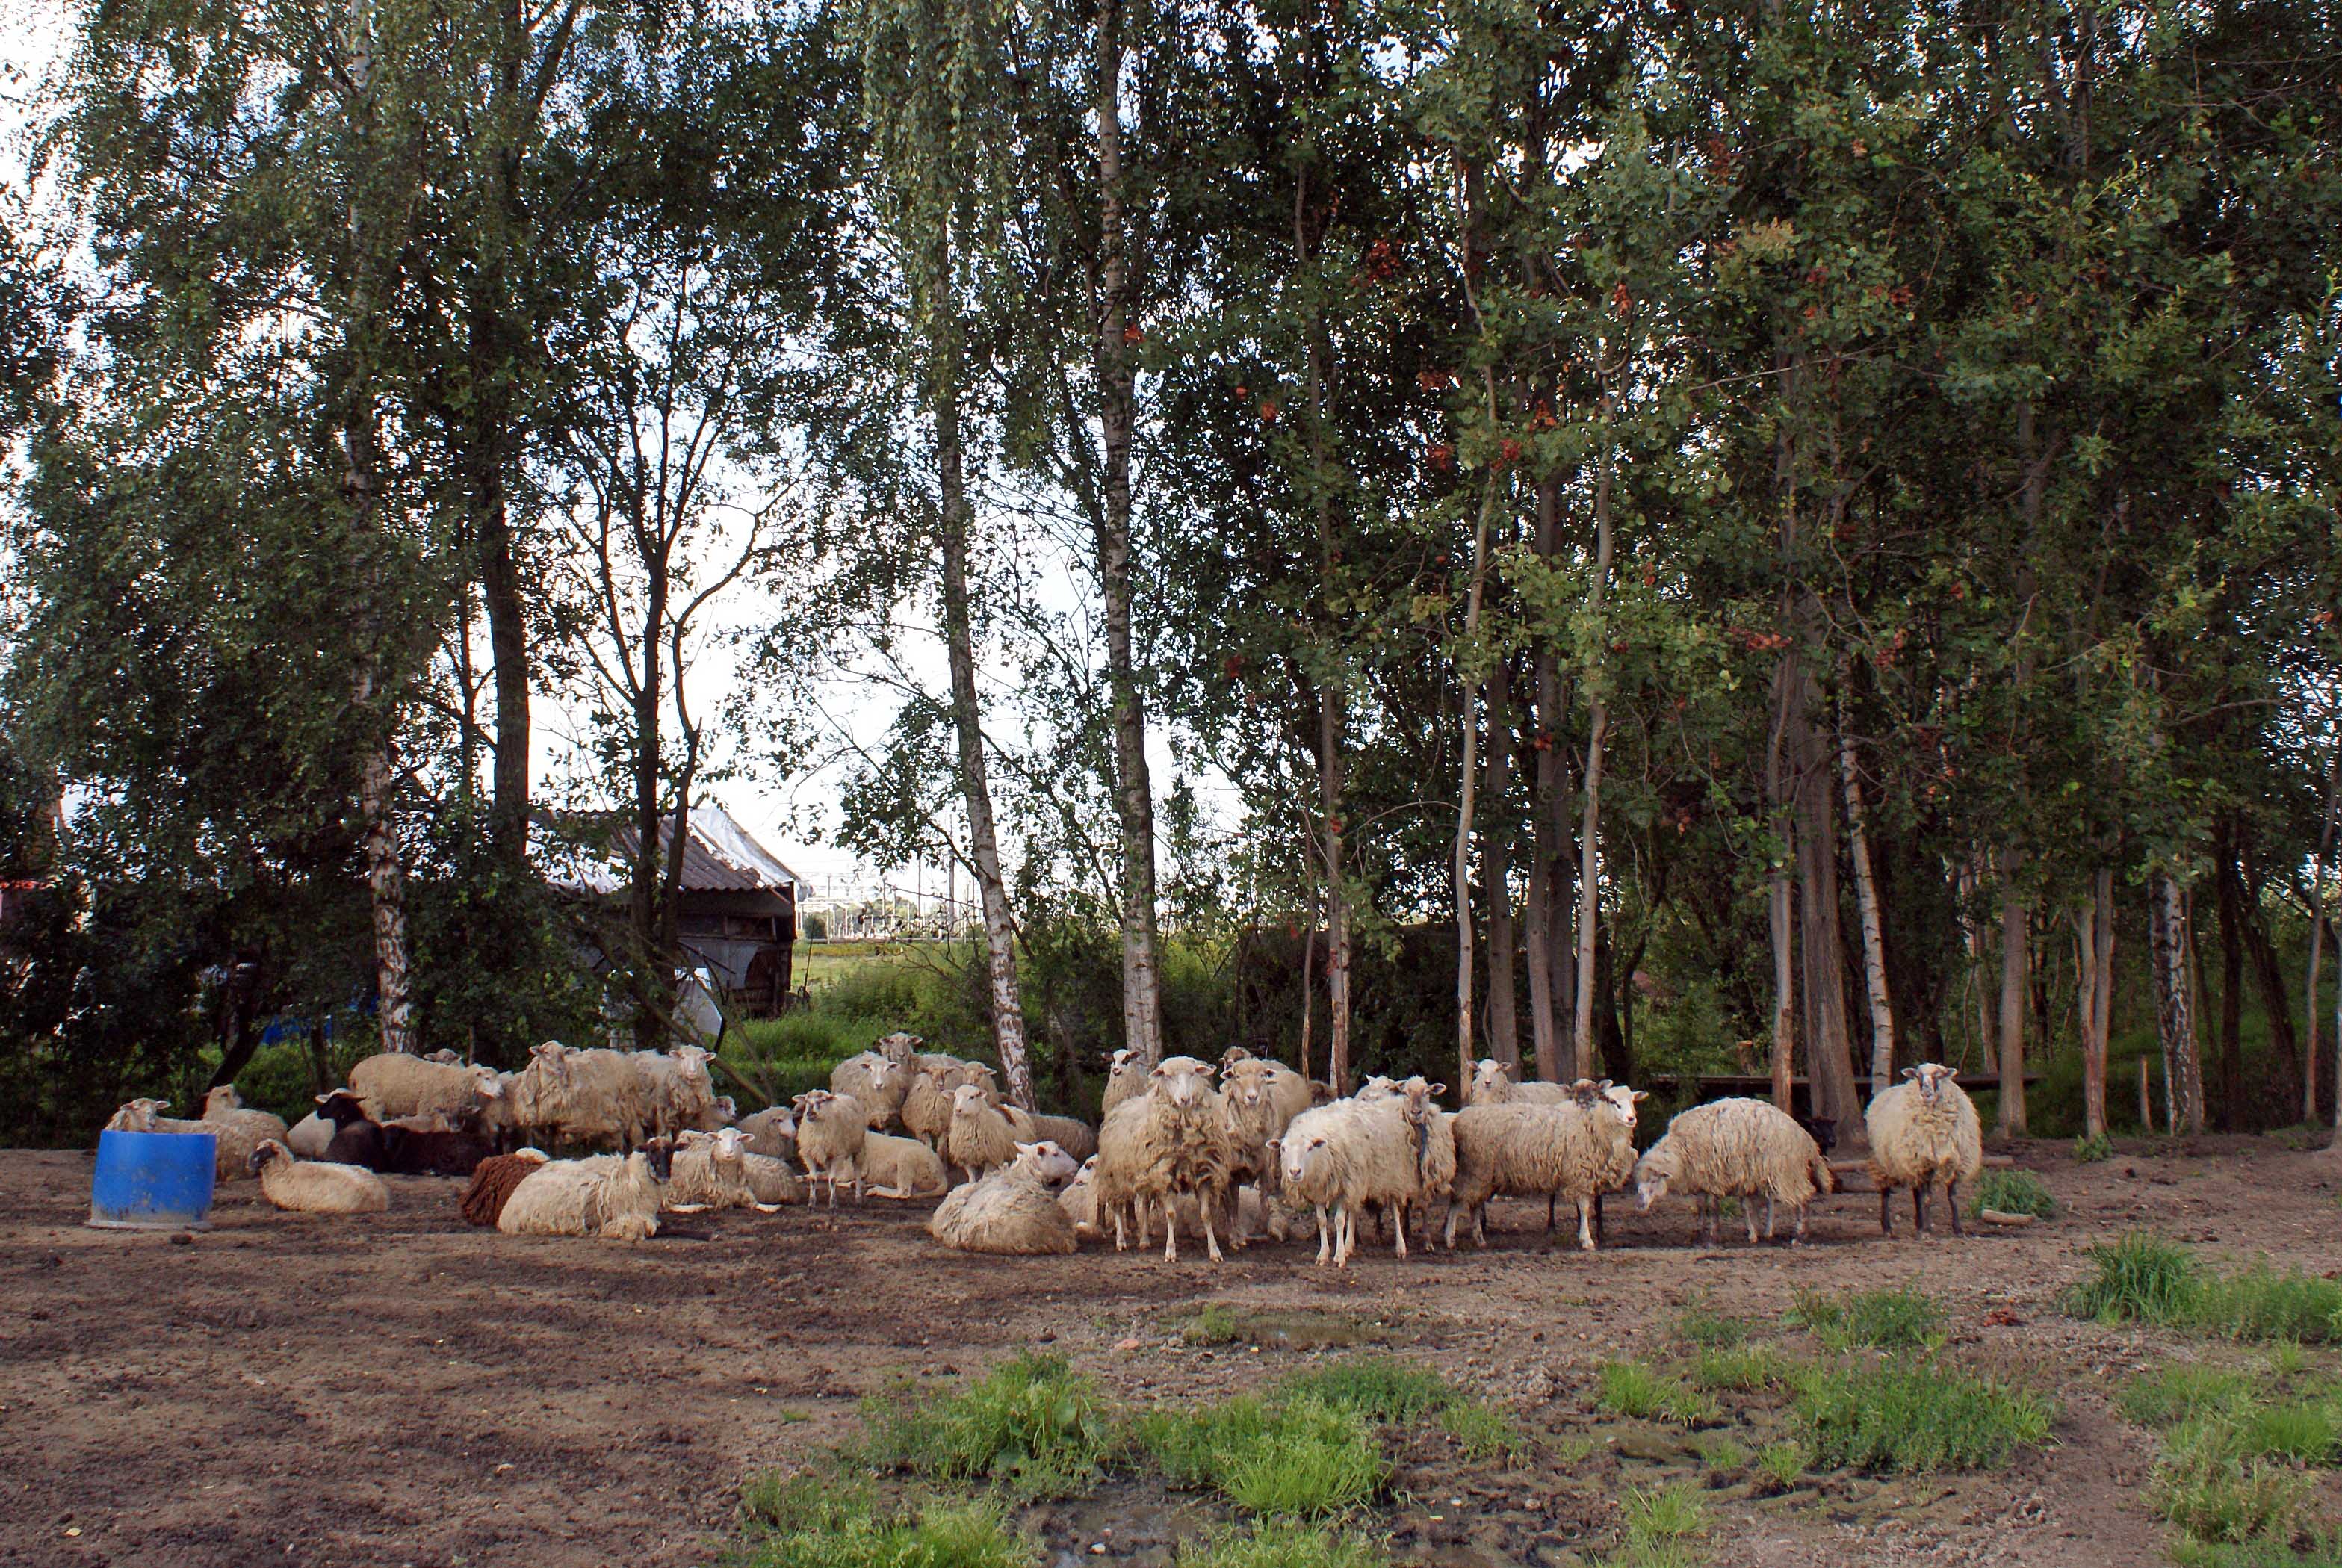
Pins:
<point x="2265" y="1303"/>
<point x="2013" y="1193"/>
<point x="1031" y="1427"/>
<point x="1662" y="1526"/>
<point x="2320" y="1547"/>
<point x="1914" y="1417"/>
<point x="1885" y="1320"/>
<point x="1782" y="1463"/>
<point x="1482" y="1431"/>
<point x="1297" y="1456"/>
<point x="1380" y="1388"/>
<point x="821" y="1521"/>
<point x="2141" y="1278"/>
<point x="1282" y="1544"/>
<point x="2212" y="1492"/>
<point x="1741" y="1371"/>
<point x="1641" y="1392"/>
<point x="2182" y="1392"/>
<point x="2146" y="1278"/>
<point x="2089" y="1150"/>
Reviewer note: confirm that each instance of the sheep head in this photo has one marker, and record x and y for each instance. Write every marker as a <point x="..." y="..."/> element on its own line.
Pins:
<point x="1045" y="1160"/>
<point x="657" y="1156"/>
<point x="1623" y="1099"/>
<point x="222" y="1098"/>
<point x="968" y="1100"/>
<point x="1491" y="1082"/>
<point x="728" y="1143"/>
<point x="1299" y="1159"/>
<point x="267" y="1150"/>
<point x="1232" y="1055"/>
<point x="1376" y="1087"/>
<point x="341" y="1107"/>
<point x="1931" y="1077"/>
<point x="1652" y="1173"/>
<point x="1183" y="1081"/>
<point x="1420" y="1098"/>
<point x="1247" y="1081"/>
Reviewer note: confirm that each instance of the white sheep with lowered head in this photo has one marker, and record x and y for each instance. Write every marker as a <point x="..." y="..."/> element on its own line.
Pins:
<point x="394" y="1085"/>
<point x="1014" y="1210"/>
<point x="1572" y="1151"/>
<point x="1734" y="1148"/>
<point x="1923" y="1131"/>
<point x="611" y="1196"/>
<point x="314" y="1187"/>
<point x="832" y="1129"/>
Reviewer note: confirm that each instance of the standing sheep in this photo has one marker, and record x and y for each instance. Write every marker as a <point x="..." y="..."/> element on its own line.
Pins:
<point x="978" y="1137"/>
<point x="1125" y="1078"/>
<point x="1923" y="1131"/>
<point x="1171" y="1141"/>
<point x="1570" y="1151"/>
<point x="313" y="1186"/>
<point x="394" y="1085"/>
<point x="1013" y="1211"/>
<point x="831" y="1131"/>
<point x="928" y="1102"/>
<point x="877" y="1081"/>
<point x="677" y="1094"/>
<point x="612" y="1197"/>
<point x="1736" y="1148"/>
<point x="1345" y="1158"/>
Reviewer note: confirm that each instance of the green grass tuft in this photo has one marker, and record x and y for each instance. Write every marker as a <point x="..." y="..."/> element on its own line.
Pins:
<point x="2146" y="1278"/>
<point x="1032" y="1426"/>
<point x="813" y="1521"/>
<point x="2321" y="1548"/>
<point x="2013" y="1193"/>
<point x="2089" y="1150"/>
<point x="1741" y="1371"/>
<point x="1916" y="1417"/>
<point x="1379" y="1387"/>
<point x="2214" y="1492"/>
<point x="2172" y="1394"/>
<point x="1641" y="1392"/>
<point x="1275" y="1544"/>
<point x="2303" y="1430"/>
<point x="2263" y="1304"/>
<point x="1663" y="1526"/>
<point x="1298" y="1456"/>
<point x="1482" y="1431"/>
<point x="1722" y="1453"/>
<point x="1782" y="1463"/>
<point x="1889" y="1320"/>
<point x="2142" y="1278"/>
<point x="1710" y="1330"/>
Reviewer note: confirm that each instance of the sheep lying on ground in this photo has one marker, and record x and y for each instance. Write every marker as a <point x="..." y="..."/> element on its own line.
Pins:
<point x="877" y="1081"/>
<point x="710" y="1171"/>
<point x="1173" y="1139"/>
<point x="892" y="1167"/>
<point x="1492" y="1085"/>
<point x="771" y="1180"/>
<point x="1736" y="1148"/>
<point x="607" y="1195"/>
<point x="311" y="1136"/>
<point x="429" y="1146"/>
<point x="230" y="1157"/>
<point x="313" y="1186"/>
<point x="356" y="1140"/>
<point x="1013" y="1211"/>
<point x="772" y="1132"/>
<point x="1075" y="1137"/>
<point x="394" y="1085"/>
<point x="1572" y="1150"/>
<point x="493" y="1183"/>
<point x="832" y="1129"/>
<point x="979" y="1137"/>
<point x="239" y="1131"/>
<point x="1923" y="1131"/>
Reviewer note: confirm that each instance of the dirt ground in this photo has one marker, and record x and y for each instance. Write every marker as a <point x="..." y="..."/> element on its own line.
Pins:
<point x="400" y="1389"/>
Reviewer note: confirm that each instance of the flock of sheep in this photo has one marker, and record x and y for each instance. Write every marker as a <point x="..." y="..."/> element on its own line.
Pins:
<point x="1248" y="1148"/>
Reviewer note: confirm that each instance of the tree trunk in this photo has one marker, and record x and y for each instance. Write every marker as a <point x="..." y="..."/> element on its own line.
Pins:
<point x="1597" y="736"/>
<point x="1865" y="898"/>
<point x="2095" y="944"/>
<point x="1142" y="1003"/>
<point x="2317" y="951"/>
<point x="1468" y="779"/>
<point x="2226" y="896"/>
<point x="2010" y="1121"/>
<point x="1309" y="964"/>
<point x="1822" y="944"/>
<point x="386" y="885"/>
<point x="2269" y="975"/>
<point x="2175" y="1016"/>
<point x="1779" y="910"/>
<point x="1338" y="903"/>
<point x="967" y="723"/>
<point x="655" y="1004"/>
<point x="1546" y="805"/>
<point x="1496" y="876"/>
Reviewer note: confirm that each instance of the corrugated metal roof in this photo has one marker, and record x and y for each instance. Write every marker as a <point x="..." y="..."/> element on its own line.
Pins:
<point x="718" y="857"/>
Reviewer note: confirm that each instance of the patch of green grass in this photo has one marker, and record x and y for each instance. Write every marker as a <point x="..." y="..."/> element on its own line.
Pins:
<point x="2288" y="1359"/>
<point x="1482" y="1431"/>
<point x="1741" y="1371"/>
<point x="2142" y="1278"/>
<point x="813" y="1521"/>
<point x="2174" y="1393"/>
<point x="1782" y="1463"/>
<point x="1379" y="1387"/>
<point x="1275" y="1544"/>
<point x="2301" y="1429"/>
<point x="1300" y="1456"/>
<point x="1663" y="1528"/>
<point x="1889" y="1320"/>
<point x="1214" y="1324"/>
<point x="1913" y="1417"/>
<point x="2090" y="1149"/>
<point x="1721" y="1454"/>
<point x="2213" y="1493"/>
<point x="2322" y="1548"/>
<point x="1032" y="1426"/>
<point x="1709" y="1330"/>
<point x="2266" y="1303"/>
<point x="1641" y="1392"/>
<point x="2013" y="1193"/>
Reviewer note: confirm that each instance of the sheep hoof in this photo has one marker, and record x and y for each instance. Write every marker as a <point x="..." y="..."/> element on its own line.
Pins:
<point x="767" y="1208"/>
<point x="687" y="1208"/>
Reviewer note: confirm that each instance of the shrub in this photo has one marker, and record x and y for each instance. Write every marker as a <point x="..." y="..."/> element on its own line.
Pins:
<point x="1890" y="1320"/>
<point x="1640" y="1391"/>
<point x="1782" y="1463"/>
<point x="2263" y="1303"/>
<point x="1379" y="1387"/>
<point x="1298" y="1456"/>
<point x="2175" y="1394"/>
<point x="1914" y="1417"/>
<point x="1282" y="1544"/>
<point x="2211" y="1491"/>
<point x="2092" y="1149"/>
<point x="1031" y="1425"/>
<point x="811" y="1521"/>
<point x="2142" y="1278"/>
<point x="2013" y="1193"/>
<point x="1482" y="1431"/>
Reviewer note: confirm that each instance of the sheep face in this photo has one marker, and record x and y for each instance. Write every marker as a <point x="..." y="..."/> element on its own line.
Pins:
<point x="897" y="1047"/>
<point x="729" y="1143"/>
<point x="1489" y="1079"/>
<point x="967" y="1100"/>
<point x="657" y="1155"/>
<point x="1931" y="1077"/>
<point x="269" y="1149"/>
<point x="486" y="1084"/>
<point x="1299" y="1159"/>
<point x="341" y="1107"/>
<point x="1420" y="1099"/>
<point x="1623" y="1100"/>
<point x="224" y="1098"/>
<point x="1048" y="1161"/>
<point x="1377" y="1088"/>
<point x="1183" y="1081"/>
<point x="1651" y="1176"/>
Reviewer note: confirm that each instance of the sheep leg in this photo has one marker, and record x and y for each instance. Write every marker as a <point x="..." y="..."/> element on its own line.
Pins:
<point x="1211" y="1241"/>
<point x="1550" y="1200"/>
<point x="1585" y="1226"/>
<point x="1798" y="1239"/>
<point x="1885" y="1210"/>
<point x="1118" y="1237"/>
<point x="1401" y="1226"/>
<point x="1749" y="1212"/>
<point x="1325" y="1238"/>
<point x="1170" y="1228"/>
<point x="1708" y="1208"/>
<point x="1952" y="1198"/>
<point x="1920" y="1206"/>
<point x="1768" y="1216"/>
<point x="1599" y="1234"/>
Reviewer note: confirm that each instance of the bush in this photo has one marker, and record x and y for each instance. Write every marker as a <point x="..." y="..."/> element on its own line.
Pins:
<point x="1913" y="1417"/>
<point x="1640" y="1391"/>
<point x="812" y="1522"/>
<point x="1302" y="1456"/>
<point x="2013" y="1193"/>
<point x="2090" y="1149"/>
<point x="1889" y="1320"/>
<point x="1031" y="1427"/>
<point x="2142" y="1278"/>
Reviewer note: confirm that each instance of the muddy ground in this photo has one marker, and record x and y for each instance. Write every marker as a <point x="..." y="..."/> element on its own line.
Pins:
<point x="400" y="1389"/>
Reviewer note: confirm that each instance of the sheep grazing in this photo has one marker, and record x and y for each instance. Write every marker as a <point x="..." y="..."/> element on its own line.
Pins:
<point x="393" y="1084"/>
<point x="1013" y="1211"/>
<point x="1492" y="1085"/>
<point x="612" y="1197"/>
<point x="928" y="1102"/>
<point x="878" y="1080"/>
<point x="892" y="1167"/>
<point x="1923" y="1131"/>
<point x="430" y="1147"/>
<point x="710" y="1171"/>
<point x="979" y="1137"/>
<point x="772" y="1132"/>
<point x="1736" y="1148"/>
<point x="832" y="1129"/>
<point x="1126" y="1077"/>
<point x="313" y="1186"/>
<point x="493" y="1183"/>
<point x="1172" y="1141"/>
<point x="1571" y="1151"/>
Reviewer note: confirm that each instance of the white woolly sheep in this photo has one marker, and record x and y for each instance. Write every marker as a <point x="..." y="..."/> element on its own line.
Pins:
<point x="231" y="1157"/>
<point x="313" y="1186"/>
<point x="1572" y="1150"/>
<point x="772" y="1131"/>
<point x="393" y="1084"/>
<point x="1125" y="1078"/>
<point x="1075" y="1137"/>
<point x="1342" y="1158"/>
<point x="310" y="1136"/>
<point x="927" y="1111"/>
<point x="240" y="1128"/>
<point x="1492" y="1085"/>
<point x="892" y="1167"/>
<point x="771" y="1180"/>
<point x="1171" y="1140"/>
<point x="677" y="1094"/>
<point x="979" y="1136"/>
<point x="710" y="1172"/>
<point x="1923" y="1131"/>
<point x="831" y="1131"/>
<point x="1013" y="1211"/>
<point x="877" y="1081"/>
<point x="611" y="1196"/>
<point x="1734" y="1148"/>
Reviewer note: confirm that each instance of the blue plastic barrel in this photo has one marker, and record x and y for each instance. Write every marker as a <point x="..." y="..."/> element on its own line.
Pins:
<point x="153" y="1181"/>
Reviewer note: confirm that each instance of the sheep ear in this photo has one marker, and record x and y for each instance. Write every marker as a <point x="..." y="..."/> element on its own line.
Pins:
<point x="1439" y="1088"/>
<point x="1030" y="1148"/>
<point x="1640" y="1095"/>
<point x="1910" y="1072"/>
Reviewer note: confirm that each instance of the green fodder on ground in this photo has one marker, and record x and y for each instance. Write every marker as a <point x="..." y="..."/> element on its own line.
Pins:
<point x="2013" y="1193"/>
<point x="1293" y="1456"/>
<point x="812" y="1522"/>
<point x="1032" y="1426"/>
<point x="1913" y="1416"/>
<point x="1884" y="1320"/>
